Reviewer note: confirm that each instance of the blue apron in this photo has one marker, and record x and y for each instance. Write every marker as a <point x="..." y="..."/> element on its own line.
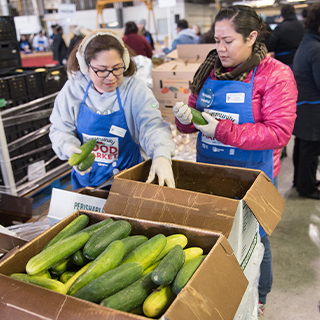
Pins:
<point x="226" y="99"/>
<point x="115" y="149"/>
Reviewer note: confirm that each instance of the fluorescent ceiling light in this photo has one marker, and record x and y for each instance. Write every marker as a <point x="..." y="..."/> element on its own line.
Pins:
<point x="257" y="3"/>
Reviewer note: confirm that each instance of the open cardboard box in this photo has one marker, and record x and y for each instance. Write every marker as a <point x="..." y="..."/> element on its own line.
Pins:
<point x="9" y="244"/>
<point x="171" y="80"/>
<point x="224" y="199"/>
<point x="214" y="291"/>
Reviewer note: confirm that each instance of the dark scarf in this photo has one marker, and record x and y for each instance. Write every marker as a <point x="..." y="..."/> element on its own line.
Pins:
<point x="238" y="74"/>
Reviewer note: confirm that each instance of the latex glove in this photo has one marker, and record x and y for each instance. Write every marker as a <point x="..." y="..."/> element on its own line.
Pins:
<point x="182" y="112"/>
<point x="71" y="150"/>
<point x="209" y="129"/>
<point x="161" y="167"/>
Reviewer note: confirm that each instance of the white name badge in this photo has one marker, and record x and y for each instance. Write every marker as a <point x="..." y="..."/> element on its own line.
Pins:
<point x="235" y="97"/>
<point x="117" y="131"/>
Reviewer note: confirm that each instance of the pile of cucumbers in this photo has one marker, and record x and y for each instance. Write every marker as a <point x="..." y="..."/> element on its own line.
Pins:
<point x="104" y="264"/>
<point x="85" y="159"/>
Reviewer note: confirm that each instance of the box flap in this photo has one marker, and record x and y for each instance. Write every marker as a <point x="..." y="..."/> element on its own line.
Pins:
<point x="173" y="54"/>
<point x="202" y="298"/>
<point x="194" y="51"/>
<point x="265" y="202"/>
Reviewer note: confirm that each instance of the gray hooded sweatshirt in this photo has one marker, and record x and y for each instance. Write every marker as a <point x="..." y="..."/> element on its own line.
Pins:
<point x="141" y="110"/>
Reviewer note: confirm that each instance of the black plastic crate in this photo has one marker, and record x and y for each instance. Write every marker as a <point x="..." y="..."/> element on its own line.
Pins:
<point x="53" y="79"/>
<point x="4" y="89"/>
<point x="34" y="85"/>
<point x="9" y="56"/>
<point x="8" y="29"/>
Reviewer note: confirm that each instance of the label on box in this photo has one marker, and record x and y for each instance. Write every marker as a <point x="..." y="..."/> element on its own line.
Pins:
<point x="64" y="203"/>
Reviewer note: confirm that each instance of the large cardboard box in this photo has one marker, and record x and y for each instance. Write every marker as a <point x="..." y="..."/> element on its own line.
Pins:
<point x="171" y="80"/>
<point x="9" y="244"/>
<point x="214" y="291"/>
<point x="225" y="199"/>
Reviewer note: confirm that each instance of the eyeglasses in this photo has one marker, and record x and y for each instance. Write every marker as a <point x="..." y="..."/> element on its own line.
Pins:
<point x="105" y="73"/>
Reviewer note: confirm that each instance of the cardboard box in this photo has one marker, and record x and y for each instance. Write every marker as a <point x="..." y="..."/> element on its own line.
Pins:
<point x="214" y="292"/>
<point x="225" y="199"/>
<point x="63" y="202"/>
<point x="171" y="80"/>
<point x="9" y="244"/>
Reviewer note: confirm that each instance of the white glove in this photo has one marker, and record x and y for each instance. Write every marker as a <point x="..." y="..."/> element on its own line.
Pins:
<point x="81" y="172"/>
<point x="71" y="150"/>
<point x="161" y="167"/>
<point x="209" y="129"/>
<point x="182" y="112"/>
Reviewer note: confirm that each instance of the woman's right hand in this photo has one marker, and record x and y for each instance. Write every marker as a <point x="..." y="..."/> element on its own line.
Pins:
<point x="182" y="112"/>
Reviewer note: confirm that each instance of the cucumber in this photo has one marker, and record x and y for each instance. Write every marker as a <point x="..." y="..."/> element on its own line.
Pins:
<point x="172" y="240"/>
<point x="101" y="239"/>
<point x="132" y="296"/>
<point x="107" y="260"/>
<point x="110" y="282"/>
<point x="86" y="149"/>
<point x="185" y="273"/>
<point x="191" y="253"/>
<point x="53" y="254"/>
<point x="79" y="259"/>
<point x="169" y="266"/>
<point x="133" y="242"/>
<point x="92" y="229"/>
<point x="158" y="301"/>
<point x="50" y="284"/>
<point x="62" y="266"/>
<point x="152" y="267"/>
<point x="86" y="163"/>
<point x="197" y="117"/>
<point x="73" y="227"/>
<point x="147" y="252"/>
<point x="77" y="275"/>
<point x="45" y="274"/>
<point x="66" y="276"/>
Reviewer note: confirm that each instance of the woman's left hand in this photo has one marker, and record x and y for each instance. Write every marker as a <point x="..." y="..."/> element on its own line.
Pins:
<point x="161" y="167"/>
<point x="209" y="129"/>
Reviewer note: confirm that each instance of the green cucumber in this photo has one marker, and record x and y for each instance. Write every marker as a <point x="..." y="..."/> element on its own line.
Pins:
<point x="44" y="274"/>
<point x="173" y="240"/>
<point x="101" y="239"/>
<point x="197" y="117"/>
<point x="92" y="229"/>
<point x="107" y="260"/>
<point x="110" y="282"/>
<point x="79" y="259"/>
<point x="147" y="252"/>
<point x="62" y="265"/>
<point x="169" y="266"/>
<point x="185" y="273"/>
<point x="133" y="242"/>
<point x="66" y="276"/>
<point x="58" y="251"/>
<point x="191" y="253"/>
<point x="132" y="296"/>
<point x="86" y="149"/>
<point x="71" y="280"/>
<point x="86" y="163"/>
<point x="73" y="227"/>
<point x="50" y="284"/>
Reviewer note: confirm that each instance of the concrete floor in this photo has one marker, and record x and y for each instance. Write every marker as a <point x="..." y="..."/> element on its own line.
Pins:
<point x="295" y="245"/>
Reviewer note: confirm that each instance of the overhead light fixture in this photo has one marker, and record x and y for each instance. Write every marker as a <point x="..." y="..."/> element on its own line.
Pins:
<point x="113" y="24"/>
<point x="299" y="6"/>
<point x="256" y="4"/>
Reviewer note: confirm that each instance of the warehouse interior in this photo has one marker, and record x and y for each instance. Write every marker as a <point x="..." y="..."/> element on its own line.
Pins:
<point x="30" y="169"/>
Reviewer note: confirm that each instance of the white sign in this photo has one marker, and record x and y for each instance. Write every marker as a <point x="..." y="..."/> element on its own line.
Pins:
<point x="166" y="3"/>
<point x="63" y="203"/>
<point x="66" y="10"/>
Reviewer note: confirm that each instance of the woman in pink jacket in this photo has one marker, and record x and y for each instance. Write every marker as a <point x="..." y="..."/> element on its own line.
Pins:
<point x="249" y="102"/>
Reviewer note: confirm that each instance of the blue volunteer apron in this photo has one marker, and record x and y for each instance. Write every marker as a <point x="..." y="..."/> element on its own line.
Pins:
<point x="115" y="149"/>
<point x="226" y="99"/>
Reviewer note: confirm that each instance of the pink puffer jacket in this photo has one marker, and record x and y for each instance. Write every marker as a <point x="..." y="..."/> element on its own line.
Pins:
<point x="274" y="111"/>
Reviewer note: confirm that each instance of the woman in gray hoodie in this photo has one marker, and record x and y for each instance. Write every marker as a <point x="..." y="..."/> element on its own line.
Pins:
<point x="105" y="102"/>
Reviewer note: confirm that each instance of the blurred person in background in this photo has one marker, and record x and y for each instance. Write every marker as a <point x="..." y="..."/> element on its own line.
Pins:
<point x="185" y="36"/>
<point x="306" y="68"/>
<point x="77" y="36"/>
<point x="24" y="44"/>
<point x="59" y="47"/>
<point x="248" y="100"/>
<point x="197" y="31"/>
<point x="143" y="32"/>
<point x="40" y="42"/>
<point x="139" y="44"/>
